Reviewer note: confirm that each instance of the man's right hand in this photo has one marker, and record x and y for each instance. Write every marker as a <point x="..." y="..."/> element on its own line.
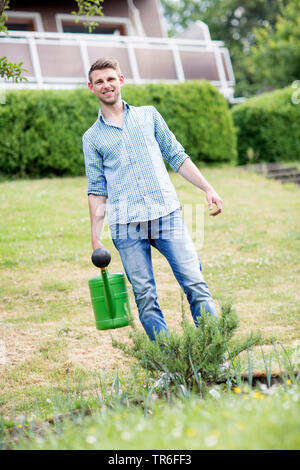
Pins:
<point x="97" y="244"/>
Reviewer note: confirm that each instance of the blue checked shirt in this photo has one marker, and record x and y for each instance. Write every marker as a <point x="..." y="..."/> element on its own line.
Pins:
<point x="126" y="165"/>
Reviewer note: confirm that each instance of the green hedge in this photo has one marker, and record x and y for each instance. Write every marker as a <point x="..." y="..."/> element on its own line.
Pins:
<point x="268" y="128"/>
<point x="41" y="131"/>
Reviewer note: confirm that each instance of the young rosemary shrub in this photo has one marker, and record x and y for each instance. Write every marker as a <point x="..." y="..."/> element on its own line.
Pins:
<point x="195" y="353"/>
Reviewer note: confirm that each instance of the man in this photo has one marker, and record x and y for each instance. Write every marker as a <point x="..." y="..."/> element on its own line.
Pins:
<point x="124" y="151"/>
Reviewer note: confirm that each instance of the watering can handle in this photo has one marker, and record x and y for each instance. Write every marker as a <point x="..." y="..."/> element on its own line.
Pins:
<point x="101" y="258"/>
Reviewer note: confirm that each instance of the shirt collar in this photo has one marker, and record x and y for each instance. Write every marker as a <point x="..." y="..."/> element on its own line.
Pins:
<point x="100" y="115"/>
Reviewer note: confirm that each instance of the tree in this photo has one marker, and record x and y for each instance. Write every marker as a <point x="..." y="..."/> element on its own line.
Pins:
<point x="89" y="8"/>
<point x="231" y="21"/>
<point x="9" y="70"/>
<point x="276" y="52"/>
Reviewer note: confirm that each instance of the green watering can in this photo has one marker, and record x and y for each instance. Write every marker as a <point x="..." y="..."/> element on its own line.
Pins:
<point x="108" y="294"/>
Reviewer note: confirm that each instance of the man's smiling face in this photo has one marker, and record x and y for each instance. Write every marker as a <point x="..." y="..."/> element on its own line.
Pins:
<point x="106" y="85"/>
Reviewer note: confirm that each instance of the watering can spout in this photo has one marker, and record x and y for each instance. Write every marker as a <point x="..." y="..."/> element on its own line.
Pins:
<point x="108" y="294"/>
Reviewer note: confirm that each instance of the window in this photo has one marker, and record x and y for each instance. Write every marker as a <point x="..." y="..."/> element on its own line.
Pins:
<point x="23" y="21"/>
<point x="106" y="25"/>
<point x="117" y="29"/>
<point x="20" y="25"/>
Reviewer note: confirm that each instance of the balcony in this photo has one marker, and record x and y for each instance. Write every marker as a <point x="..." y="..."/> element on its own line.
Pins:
<point x="62" y="60"/>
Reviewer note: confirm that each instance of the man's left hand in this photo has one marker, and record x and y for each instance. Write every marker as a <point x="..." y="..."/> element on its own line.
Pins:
<point x="213" y="198"/>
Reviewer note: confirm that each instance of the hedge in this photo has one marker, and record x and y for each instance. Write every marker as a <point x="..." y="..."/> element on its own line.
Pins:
<point x="41" y="130"/>
<point x="268" y="128"/>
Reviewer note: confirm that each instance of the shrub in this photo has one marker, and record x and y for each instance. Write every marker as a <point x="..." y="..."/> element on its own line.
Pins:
<point x="268" y="128"/>
<point x="195" y="355"/>
<point x="41" y="130"/>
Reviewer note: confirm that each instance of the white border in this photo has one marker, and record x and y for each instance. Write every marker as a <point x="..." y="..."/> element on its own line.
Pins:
<point x="130" y="43"/>
<point x="110" y="37"/>
<point x="205" y="29"/>
<point x="162" y="21"/>
<point x="36" y="17"/>
<point x="228" y="63"/>
<point x="59" y="17"/>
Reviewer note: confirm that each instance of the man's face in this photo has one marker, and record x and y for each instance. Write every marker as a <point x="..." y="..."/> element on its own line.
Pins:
<point x="106" y="85"/>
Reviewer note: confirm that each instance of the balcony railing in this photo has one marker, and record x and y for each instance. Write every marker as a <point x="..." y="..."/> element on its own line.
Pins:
<point x="62" y="60"/>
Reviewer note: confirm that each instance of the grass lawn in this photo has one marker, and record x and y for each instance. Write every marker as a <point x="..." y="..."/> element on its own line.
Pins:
<point x="48" y="340"/>
<point x="254" y="421"/>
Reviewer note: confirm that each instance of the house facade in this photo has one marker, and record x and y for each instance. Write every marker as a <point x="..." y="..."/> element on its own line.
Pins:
<point x="57" y="51"/>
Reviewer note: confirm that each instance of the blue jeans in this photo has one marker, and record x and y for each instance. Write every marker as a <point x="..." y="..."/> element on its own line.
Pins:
<point x="170" y="237"/>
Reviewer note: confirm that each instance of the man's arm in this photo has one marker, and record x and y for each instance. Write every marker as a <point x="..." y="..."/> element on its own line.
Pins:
<point x="97" y="206"/>
<point x="171" y="150"/>
<point x="97" y="190"/>
<point x="190" y="172"/>
<point x="180" y="162"/>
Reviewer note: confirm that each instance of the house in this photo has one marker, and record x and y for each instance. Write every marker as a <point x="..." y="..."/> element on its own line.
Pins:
<point x="58" y="52"/>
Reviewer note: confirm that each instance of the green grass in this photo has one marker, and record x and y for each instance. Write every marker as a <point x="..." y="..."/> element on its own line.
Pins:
<point x="245" y="420"/>
<point x="250" y="254"/>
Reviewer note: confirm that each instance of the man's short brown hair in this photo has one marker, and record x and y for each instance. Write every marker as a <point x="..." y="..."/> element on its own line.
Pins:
<point x="105" y="63"/>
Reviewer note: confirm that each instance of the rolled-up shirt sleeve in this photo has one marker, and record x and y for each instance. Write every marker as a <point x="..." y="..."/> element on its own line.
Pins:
<point x="94" y="169"/>
<point x="172" y="151"/>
